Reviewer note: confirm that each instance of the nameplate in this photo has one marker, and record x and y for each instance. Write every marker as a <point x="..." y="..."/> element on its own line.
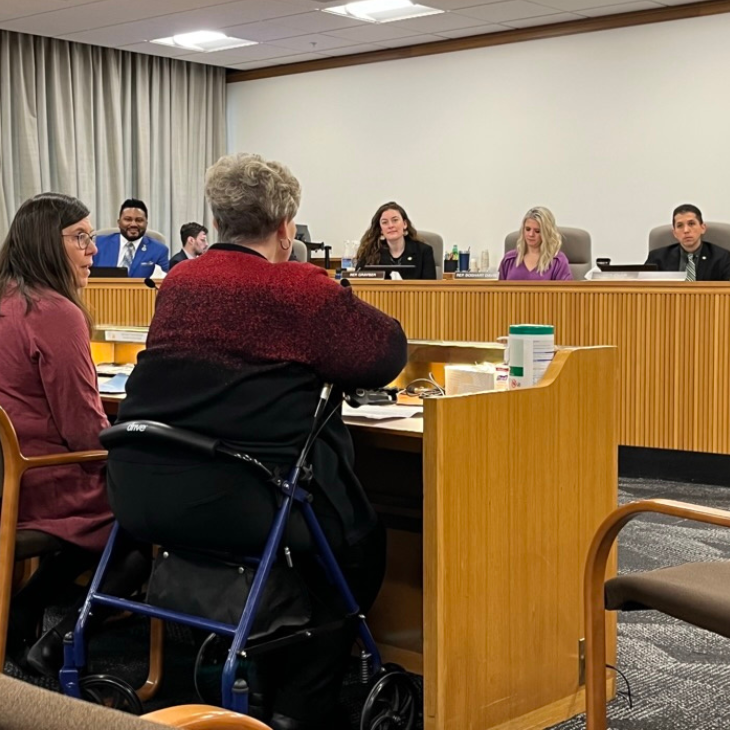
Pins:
<point x="472" y="275"/>
<point x="125" y="336"/>
<point x="363" y="274"/>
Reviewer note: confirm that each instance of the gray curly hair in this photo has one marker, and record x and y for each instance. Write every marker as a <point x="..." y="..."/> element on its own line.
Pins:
<point x="250" y="197"/>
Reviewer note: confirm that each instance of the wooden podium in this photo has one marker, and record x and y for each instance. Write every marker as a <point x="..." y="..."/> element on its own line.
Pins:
<point x="490" y="515"/>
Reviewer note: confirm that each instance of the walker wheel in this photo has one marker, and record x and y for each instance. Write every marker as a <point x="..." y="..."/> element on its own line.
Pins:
<point x="391" y="704"/>
<point x="112" y="692"/>
<point x="208" y="672"/>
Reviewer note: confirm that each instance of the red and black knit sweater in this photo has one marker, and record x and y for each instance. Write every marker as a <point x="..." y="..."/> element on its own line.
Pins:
<point x="239" y="348"/>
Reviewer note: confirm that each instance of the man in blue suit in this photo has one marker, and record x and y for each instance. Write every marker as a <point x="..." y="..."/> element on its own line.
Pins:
<point x="130" y="247"/>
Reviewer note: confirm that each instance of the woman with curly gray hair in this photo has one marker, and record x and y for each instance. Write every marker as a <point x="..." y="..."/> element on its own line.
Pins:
<point x="239" y="346"/>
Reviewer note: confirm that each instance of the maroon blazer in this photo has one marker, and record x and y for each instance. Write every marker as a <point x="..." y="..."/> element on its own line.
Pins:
<point x="48" y="386"/>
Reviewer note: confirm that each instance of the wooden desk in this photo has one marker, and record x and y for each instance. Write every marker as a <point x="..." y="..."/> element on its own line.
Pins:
<point x="491" y="501"/>
<point x="673" y="338"/>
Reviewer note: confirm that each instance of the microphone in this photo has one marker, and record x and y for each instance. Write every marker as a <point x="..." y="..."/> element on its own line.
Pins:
<point x="152" y="285"/>
<point x="346" y="283"/>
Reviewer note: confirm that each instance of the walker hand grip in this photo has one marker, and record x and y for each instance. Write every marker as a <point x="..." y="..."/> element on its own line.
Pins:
<point x="139" y="433"/>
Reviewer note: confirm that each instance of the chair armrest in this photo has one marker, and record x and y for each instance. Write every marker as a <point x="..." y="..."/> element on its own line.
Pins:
<point x="204" y="717"/>
<point x="613" y="524"/>
<point x="73" y="457"/>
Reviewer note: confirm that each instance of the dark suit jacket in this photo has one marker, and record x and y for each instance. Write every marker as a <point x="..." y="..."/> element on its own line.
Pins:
<point x="178" y="258"/>
<point x="415" y="253"/>
<point x="713" y="265"/>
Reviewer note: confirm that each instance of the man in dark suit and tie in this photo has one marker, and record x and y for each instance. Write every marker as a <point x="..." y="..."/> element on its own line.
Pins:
<point x="194" y="239"/>
<point x="130" y="248"/>
<point x="703" y="261"/>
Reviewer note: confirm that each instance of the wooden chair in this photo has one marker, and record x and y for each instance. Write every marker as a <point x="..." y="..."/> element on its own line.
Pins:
<point x="204" y="717"/>
<point x="17" y="545"/>
<point x="694" y="592"/>
<point x="26" y="707"/>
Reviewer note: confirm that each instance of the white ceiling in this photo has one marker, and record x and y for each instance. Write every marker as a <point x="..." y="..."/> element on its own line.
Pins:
<point x="288" y="31"/>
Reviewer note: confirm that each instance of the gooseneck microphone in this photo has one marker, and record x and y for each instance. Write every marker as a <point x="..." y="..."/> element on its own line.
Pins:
<point x="152" y="285"/>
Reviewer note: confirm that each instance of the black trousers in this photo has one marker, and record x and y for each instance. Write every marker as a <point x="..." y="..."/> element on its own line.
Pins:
<point x="213" y="506"/>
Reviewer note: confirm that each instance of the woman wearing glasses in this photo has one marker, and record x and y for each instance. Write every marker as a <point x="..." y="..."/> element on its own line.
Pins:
<point x="48" y="387"/>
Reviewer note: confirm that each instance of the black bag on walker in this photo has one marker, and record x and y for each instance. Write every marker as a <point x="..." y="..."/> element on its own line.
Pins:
<point x="189" y="583"/>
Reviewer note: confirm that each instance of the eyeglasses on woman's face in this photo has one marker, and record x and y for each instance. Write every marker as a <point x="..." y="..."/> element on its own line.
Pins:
<point x="83" y="240"/>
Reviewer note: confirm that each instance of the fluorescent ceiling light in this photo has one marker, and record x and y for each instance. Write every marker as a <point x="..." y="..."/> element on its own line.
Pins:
<point x="382" y="11"/>
<point x="204" y="41"/>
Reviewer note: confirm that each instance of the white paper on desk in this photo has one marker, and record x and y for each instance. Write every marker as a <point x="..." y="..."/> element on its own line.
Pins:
<point x="158" y="273"/>
<point x="115" y="385"/>
<point x="110" y="369"/>
<point x="380" y="413"/>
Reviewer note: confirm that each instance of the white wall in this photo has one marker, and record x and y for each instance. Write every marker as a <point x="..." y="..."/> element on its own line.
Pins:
<point x="610" y="130"/>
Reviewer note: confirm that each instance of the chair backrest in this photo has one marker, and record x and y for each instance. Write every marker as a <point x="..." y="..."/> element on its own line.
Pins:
<point x="151" y="233"/>
<point x="300" y="250"/>
<point x="436" y="242"/>
<point x="717" y="233"/>
<point x="576" y="247"/>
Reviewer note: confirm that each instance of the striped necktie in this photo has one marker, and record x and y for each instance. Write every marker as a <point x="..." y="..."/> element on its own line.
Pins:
<point x="691" y="272"/>
<point x="129" y="255"/>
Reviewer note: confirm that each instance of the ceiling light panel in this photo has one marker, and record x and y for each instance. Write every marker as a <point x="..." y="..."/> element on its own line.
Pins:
<point x="382" y="11"/>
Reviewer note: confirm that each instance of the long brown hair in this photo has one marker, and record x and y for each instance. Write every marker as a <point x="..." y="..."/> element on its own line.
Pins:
<point x="33" y="256"/>
<point x="370" y="244"/>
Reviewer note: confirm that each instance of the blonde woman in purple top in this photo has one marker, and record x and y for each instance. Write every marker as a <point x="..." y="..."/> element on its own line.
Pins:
<point x="538" y="256"/>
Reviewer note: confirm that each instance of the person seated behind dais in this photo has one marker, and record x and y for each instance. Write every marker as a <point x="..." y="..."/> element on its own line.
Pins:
<point x="130" y="248"/>
<point x="702" y="260"/>
<point x="537" y="256"/>
<point x="194" y="239"/>
<point x="246" y="365"/>
<point x="392" y="240"/>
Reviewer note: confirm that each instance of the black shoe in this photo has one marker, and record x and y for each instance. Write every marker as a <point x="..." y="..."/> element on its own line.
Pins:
<point x="282" y="722"/>
<point x="338" y="721"/>
<point x="46" y="655"/>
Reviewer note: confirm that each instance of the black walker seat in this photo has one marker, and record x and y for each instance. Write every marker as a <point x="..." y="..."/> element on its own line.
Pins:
<point x="391" y="702"/>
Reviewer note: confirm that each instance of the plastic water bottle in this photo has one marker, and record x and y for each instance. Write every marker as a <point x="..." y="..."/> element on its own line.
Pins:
<point x="347" y="256"/>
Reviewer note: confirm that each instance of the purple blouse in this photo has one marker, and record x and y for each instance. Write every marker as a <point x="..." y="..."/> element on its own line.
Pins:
<point x="559" y="269"/>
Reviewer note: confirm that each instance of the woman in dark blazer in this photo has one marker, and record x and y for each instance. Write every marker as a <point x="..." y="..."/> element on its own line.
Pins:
<point x="392" y="240"/>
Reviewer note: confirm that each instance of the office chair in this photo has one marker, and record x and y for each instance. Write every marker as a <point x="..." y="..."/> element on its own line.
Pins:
<point x="17" y="545"/>
<point x="300" y="250"/>
<point x="436" y="242"/>
<point x="576" y="246"/>
<point x="717" y="233"/>
<point x="149" y="232"/>
<point x="696" y="593"/>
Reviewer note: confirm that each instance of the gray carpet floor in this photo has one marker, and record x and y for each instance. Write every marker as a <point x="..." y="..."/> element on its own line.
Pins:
<point x="677" y="673"/>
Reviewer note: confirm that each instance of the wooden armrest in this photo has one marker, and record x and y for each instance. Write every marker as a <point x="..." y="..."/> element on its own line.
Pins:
<point x="204" y="717"/>
<point x="73" y="457"/>
<point x="613" y="524"/>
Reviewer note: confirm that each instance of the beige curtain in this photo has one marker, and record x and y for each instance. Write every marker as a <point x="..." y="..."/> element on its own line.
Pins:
<point x="106" y="125"/>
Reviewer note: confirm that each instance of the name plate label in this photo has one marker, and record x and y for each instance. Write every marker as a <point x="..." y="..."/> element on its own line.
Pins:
<point x="472" y="275"/>
<point x="363" y="275"/>
<point x="125" y="336"/>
